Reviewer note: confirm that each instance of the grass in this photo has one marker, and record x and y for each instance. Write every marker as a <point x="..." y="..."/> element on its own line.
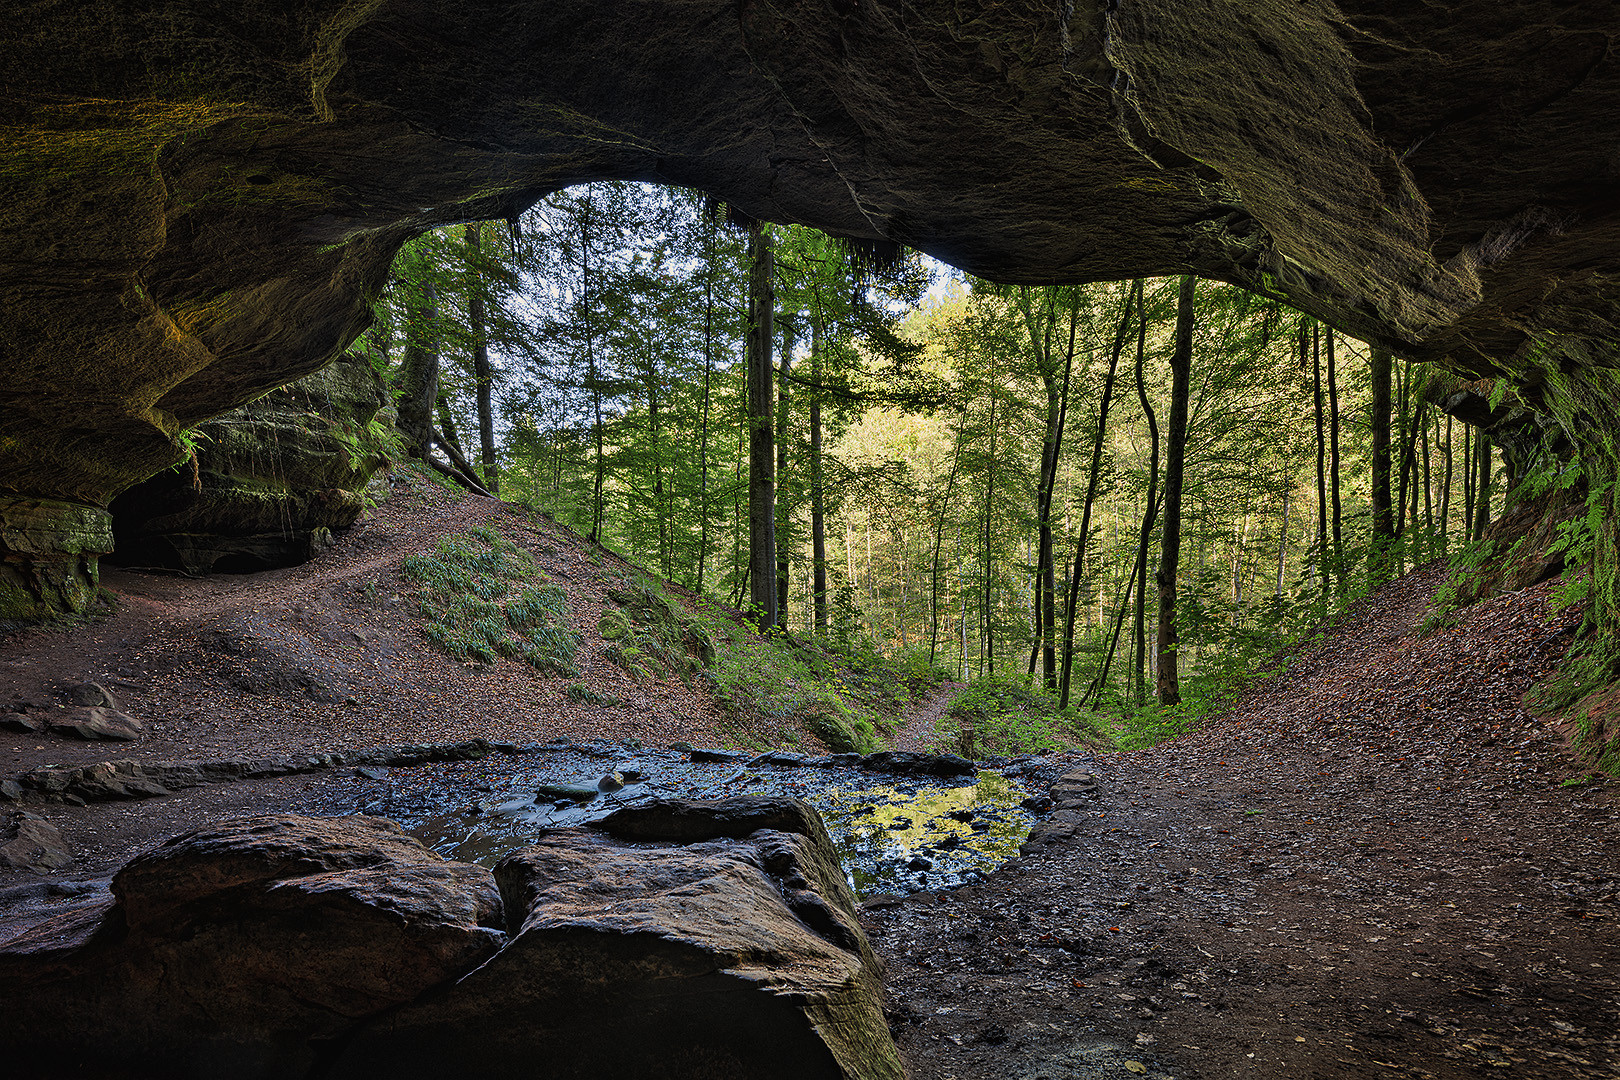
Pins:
<point x="774" y="685"/>
<point x="481" y="597"/>
<point x="1007" y="714"/>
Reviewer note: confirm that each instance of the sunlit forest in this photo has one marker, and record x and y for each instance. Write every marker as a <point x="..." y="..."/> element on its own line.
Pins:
<point x="1127" y="492"/>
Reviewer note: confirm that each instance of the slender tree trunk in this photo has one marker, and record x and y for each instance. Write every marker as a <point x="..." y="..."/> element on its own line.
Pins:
<point x="784" y="505"/>
<point x="818" y="504"/>
<point x="703" y="411"/>
<point x="1383" y="521"/>
<point x="939" y="540"/>
<point x="1057" y="410"/>
<point x="1482" y="487"/>
<point x="1445" y="495"/>
<point x="1469" y="472"/>
<point x="989" y="498"/>
<point x="1402" y="404"/>
<point x="1428" y="492"/>
<point x="1333" y="460"/>
<point x="1150" y="509"/>
<point x="1282" y="545"/>
<point x="1310" y="342"/>
<point x="1133" y="297"/>
<point x="761" y="436"/>
<point x="482" y="372"/>
<point x="1169" y="683"/>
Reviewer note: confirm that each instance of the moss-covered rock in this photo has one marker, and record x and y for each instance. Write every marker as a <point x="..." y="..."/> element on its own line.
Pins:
<point x="267" y="483"/>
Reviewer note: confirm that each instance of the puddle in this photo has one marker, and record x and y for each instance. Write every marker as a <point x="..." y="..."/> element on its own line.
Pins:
<point x="895" y="834"/>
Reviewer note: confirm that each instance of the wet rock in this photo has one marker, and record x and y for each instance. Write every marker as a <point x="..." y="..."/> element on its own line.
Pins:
<point x="35" y="845"/>
<point x="570" y="792"/>
<point x="920" y="862"/>
<point x="716" y="957"/>
<point x="97" y="723"/>
<point x="701" y="755"/>
<point x="1037" y="804"/>
<point x="783" y="759"/>
<point x="687" y="821"/>
<point x="372" y="772"/>
<point x="1073" y="789"/>
<point x="235" y="950"/>
<point x="909" y="764"/>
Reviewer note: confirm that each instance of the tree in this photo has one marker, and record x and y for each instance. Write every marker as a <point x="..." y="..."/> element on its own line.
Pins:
<point x="1169" y="687"/>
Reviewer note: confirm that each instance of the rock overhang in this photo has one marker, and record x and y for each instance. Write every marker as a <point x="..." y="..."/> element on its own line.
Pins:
<point x="202" y="207"/>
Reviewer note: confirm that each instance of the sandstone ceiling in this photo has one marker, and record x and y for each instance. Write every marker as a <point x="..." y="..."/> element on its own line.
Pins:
<point x="199" y="197"/>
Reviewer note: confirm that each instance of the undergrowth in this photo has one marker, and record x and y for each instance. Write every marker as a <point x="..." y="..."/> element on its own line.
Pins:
<point x="482" y="597"/>
<point x="842" y="691"/>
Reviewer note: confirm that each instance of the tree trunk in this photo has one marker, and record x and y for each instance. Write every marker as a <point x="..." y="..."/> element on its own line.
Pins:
<point x="1169" y="683"/>
<point x="761" y="436"/>
<point x="818" y="505"/>
<point x="1333" y="458"/>
<point x="784" y="505"/>
<point x="419" y="375"/>
<point x="1133" y="296"/>
<point x="1482" y="487"/>
<point x="1309" y="343"/>
<point x="1150" y="510"/>
<point x="1383" y="521"/>
<point x="1057" y="411"/>
<point x="482" y="372"/>
<point x="703" y="414"/>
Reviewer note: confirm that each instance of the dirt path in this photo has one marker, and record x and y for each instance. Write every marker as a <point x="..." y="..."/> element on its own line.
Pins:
<point x="1370" y="867"/>
<point x="919" y="729"/>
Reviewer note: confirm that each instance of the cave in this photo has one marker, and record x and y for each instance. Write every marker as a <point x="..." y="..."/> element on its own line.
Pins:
<point x="202" y="203"/>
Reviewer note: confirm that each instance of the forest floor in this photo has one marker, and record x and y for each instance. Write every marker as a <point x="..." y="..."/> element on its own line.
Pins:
<point x="1375" y="864"/>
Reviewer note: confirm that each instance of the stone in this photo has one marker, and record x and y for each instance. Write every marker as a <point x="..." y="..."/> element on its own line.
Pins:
<point x="717" y="958"/>
<point x="701" y="755"/>
<point x="36" y="845"/>
<point x="91" y="693"/>
<point x="1071" y="788"/>
<point x="686" y="821"/>
<point x="910" y="764"/>
<point x="21" y="722"/>
<point x="97" y="723"/>
<point x="240" y="949"/>
<point x="571" y="792"/>
<point x="267" y="483"/>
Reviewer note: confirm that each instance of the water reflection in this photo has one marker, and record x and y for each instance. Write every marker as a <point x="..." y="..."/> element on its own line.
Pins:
<point x="894" y="834"/>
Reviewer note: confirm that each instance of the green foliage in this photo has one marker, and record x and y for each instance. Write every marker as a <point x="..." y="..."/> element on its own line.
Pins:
<point x="1005" y="713"/>
<point x="585" y="695"/>
<point x="482" y="597"/>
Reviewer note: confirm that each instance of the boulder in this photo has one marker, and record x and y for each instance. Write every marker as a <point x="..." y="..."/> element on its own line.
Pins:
<point x="733" y="952"/>
<point x="97" y="723"/>
<point x="240" y="950"/>
<point x="91" y="693"/>
<point x="36" y="844"/>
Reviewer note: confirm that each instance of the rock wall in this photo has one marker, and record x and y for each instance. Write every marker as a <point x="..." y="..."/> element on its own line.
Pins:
<point x="199" y="204"/>
<point x="267" y="483"/>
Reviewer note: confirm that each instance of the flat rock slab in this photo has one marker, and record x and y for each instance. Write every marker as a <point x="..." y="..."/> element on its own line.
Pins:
<point x="97" y="722"/>
<point x="234" y="950"/>
<point x="35" y="844"/>
<point x="713" y="958"/>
